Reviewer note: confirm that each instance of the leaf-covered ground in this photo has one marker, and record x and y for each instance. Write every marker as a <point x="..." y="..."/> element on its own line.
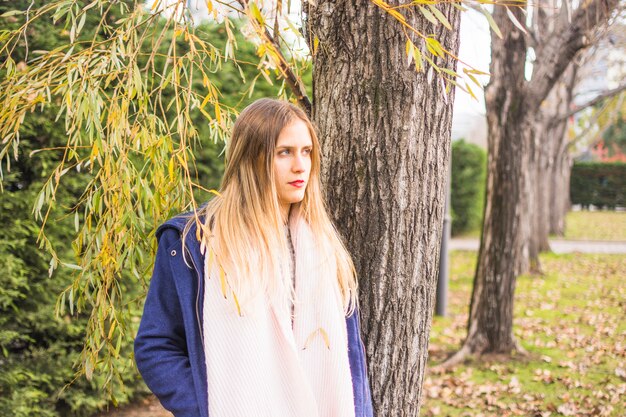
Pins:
<point x="572" y="321"/>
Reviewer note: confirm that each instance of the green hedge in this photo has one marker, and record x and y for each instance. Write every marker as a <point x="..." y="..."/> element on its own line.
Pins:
<point x="600" y="184"/>
<point x="469" y="170"/>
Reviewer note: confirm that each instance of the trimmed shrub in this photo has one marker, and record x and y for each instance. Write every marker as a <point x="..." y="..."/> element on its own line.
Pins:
<point x="601" y="184"/>
<point x="469" y="170"/>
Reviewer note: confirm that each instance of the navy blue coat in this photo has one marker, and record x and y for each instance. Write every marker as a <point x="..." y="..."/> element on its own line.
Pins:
<point x="169" y="348"/>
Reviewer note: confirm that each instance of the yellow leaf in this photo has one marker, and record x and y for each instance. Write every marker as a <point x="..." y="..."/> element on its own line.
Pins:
<point x="218" y="113"/>
<point x="256" y="13"/>
<point x="170" y="168"/>
<point x="474" y="71"/>
<point x="474" y="80"/>
<point x="237" y="304"/>
<point x="326" y="338"/>
<point x="316" y="43"/>
<point x="206" y="100"/>
<point x="223" y="281"/>
<point x="181" y="159"/>
<point x="310" y="338"/>
<point x="434" y="47"/>
<point x="111" y="330"/>
<point x="469" y="90"/>
<point x="208" y="116"/>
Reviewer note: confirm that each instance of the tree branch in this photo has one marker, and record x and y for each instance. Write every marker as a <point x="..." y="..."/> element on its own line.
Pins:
<point x="294" y="83"/>
<point x="563" y="44"/>
<point x="592" y="123"/>
<point x="602" y="96"/>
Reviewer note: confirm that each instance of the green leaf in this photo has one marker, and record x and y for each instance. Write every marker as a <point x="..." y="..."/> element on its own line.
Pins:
<point x="516" y="22"/>
<point x="492" y="22"/>
<point x="434" y="47"/>
<point x="81" y="22"/>
<point x="428" y="15"/>
<point x="417" y="58"/>
<point x="440" y="16"/>
<point x="12" y="13"/>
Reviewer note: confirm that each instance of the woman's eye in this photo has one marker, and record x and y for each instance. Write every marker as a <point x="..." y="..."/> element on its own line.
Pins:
<point x="307" y="151"/>
<point x="284" y="152"/>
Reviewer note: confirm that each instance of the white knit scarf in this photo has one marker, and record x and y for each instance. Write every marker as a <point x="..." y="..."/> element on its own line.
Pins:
<point x="258" y="366"/>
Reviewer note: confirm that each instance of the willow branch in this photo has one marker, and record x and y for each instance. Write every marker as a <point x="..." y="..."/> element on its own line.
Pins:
<point x="293" y="81"/>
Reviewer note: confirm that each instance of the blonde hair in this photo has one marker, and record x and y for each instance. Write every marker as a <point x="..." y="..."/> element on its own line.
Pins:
<point x="243" y="226"/>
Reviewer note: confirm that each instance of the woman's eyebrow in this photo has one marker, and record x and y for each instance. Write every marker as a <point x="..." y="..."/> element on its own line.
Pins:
<point x="293" y="147"/>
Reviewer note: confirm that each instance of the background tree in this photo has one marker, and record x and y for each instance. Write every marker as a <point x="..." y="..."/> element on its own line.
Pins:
<point x="551" y="159"/>
<point x="512" y="107"/>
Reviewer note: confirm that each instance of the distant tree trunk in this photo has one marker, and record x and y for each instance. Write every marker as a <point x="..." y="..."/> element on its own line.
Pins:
<point x="512" y="107"/>
<point x="559" y="199"/>
<point x="503" y="250"/>
<point x="553" y="192"/>
<point x="539" y="210"/>
<point x="385" y="134"/>
<point x="550" y="134"/>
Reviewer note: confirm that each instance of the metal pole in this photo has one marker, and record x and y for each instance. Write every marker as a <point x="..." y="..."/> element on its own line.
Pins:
<point x="442" y="282"/>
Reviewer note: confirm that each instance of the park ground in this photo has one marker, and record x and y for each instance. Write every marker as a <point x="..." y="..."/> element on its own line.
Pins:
<point x="571" y="320"/>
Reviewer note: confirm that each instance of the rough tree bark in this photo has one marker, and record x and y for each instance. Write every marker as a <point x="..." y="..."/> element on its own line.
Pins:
<point x="512" y="105"/>
<point x="552" y="194"/>
<point x="559" y="199"/>
<point x="546" y="162"/>
<point x="385" y="132"/>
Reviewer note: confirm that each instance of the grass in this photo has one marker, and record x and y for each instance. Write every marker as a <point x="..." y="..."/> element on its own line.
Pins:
<point x="584" y="225"/>
<point x="572" y="321"/>
<point x="595" y="225"/>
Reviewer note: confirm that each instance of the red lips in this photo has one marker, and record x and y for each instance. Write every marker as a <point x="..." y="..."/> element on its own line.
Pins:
<point x="297" y="183"/>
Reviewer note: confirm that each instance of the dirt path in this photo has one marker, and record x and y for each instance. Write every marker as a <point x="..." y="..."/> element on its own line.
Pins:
<point x="147" y="407"/>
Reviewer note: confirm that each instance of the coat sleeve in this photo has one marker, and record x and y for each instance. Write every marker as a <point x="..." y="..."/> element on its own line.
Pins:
<point x="160" y="346"/>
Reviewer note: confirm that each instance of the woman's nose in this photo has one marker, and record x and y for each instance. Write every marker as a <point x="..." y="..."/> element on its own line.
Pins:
<point x="298" y="163"/>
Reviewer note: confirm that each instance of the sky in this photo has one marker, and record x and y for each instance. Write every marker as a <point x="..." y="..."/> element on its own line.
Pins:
<point x="475" y="49"/>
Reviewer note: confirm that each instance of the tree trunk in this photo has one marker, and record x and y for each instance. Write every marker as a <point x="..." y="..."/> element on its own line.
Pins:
<point x="503" y="250"/>
<point x="385" y="132"/>
<point x="562" y="160"/>
<point x="560" y="202"/>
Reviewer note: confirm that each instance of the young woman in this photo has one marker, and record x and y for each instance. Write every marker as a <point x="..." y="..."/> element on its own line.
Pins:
<point x="251" y="308"/>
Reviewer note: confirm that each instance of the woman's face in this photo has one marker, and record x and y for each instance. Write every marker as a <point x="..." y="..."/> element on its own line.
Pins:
<point x="292" y="163"/>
